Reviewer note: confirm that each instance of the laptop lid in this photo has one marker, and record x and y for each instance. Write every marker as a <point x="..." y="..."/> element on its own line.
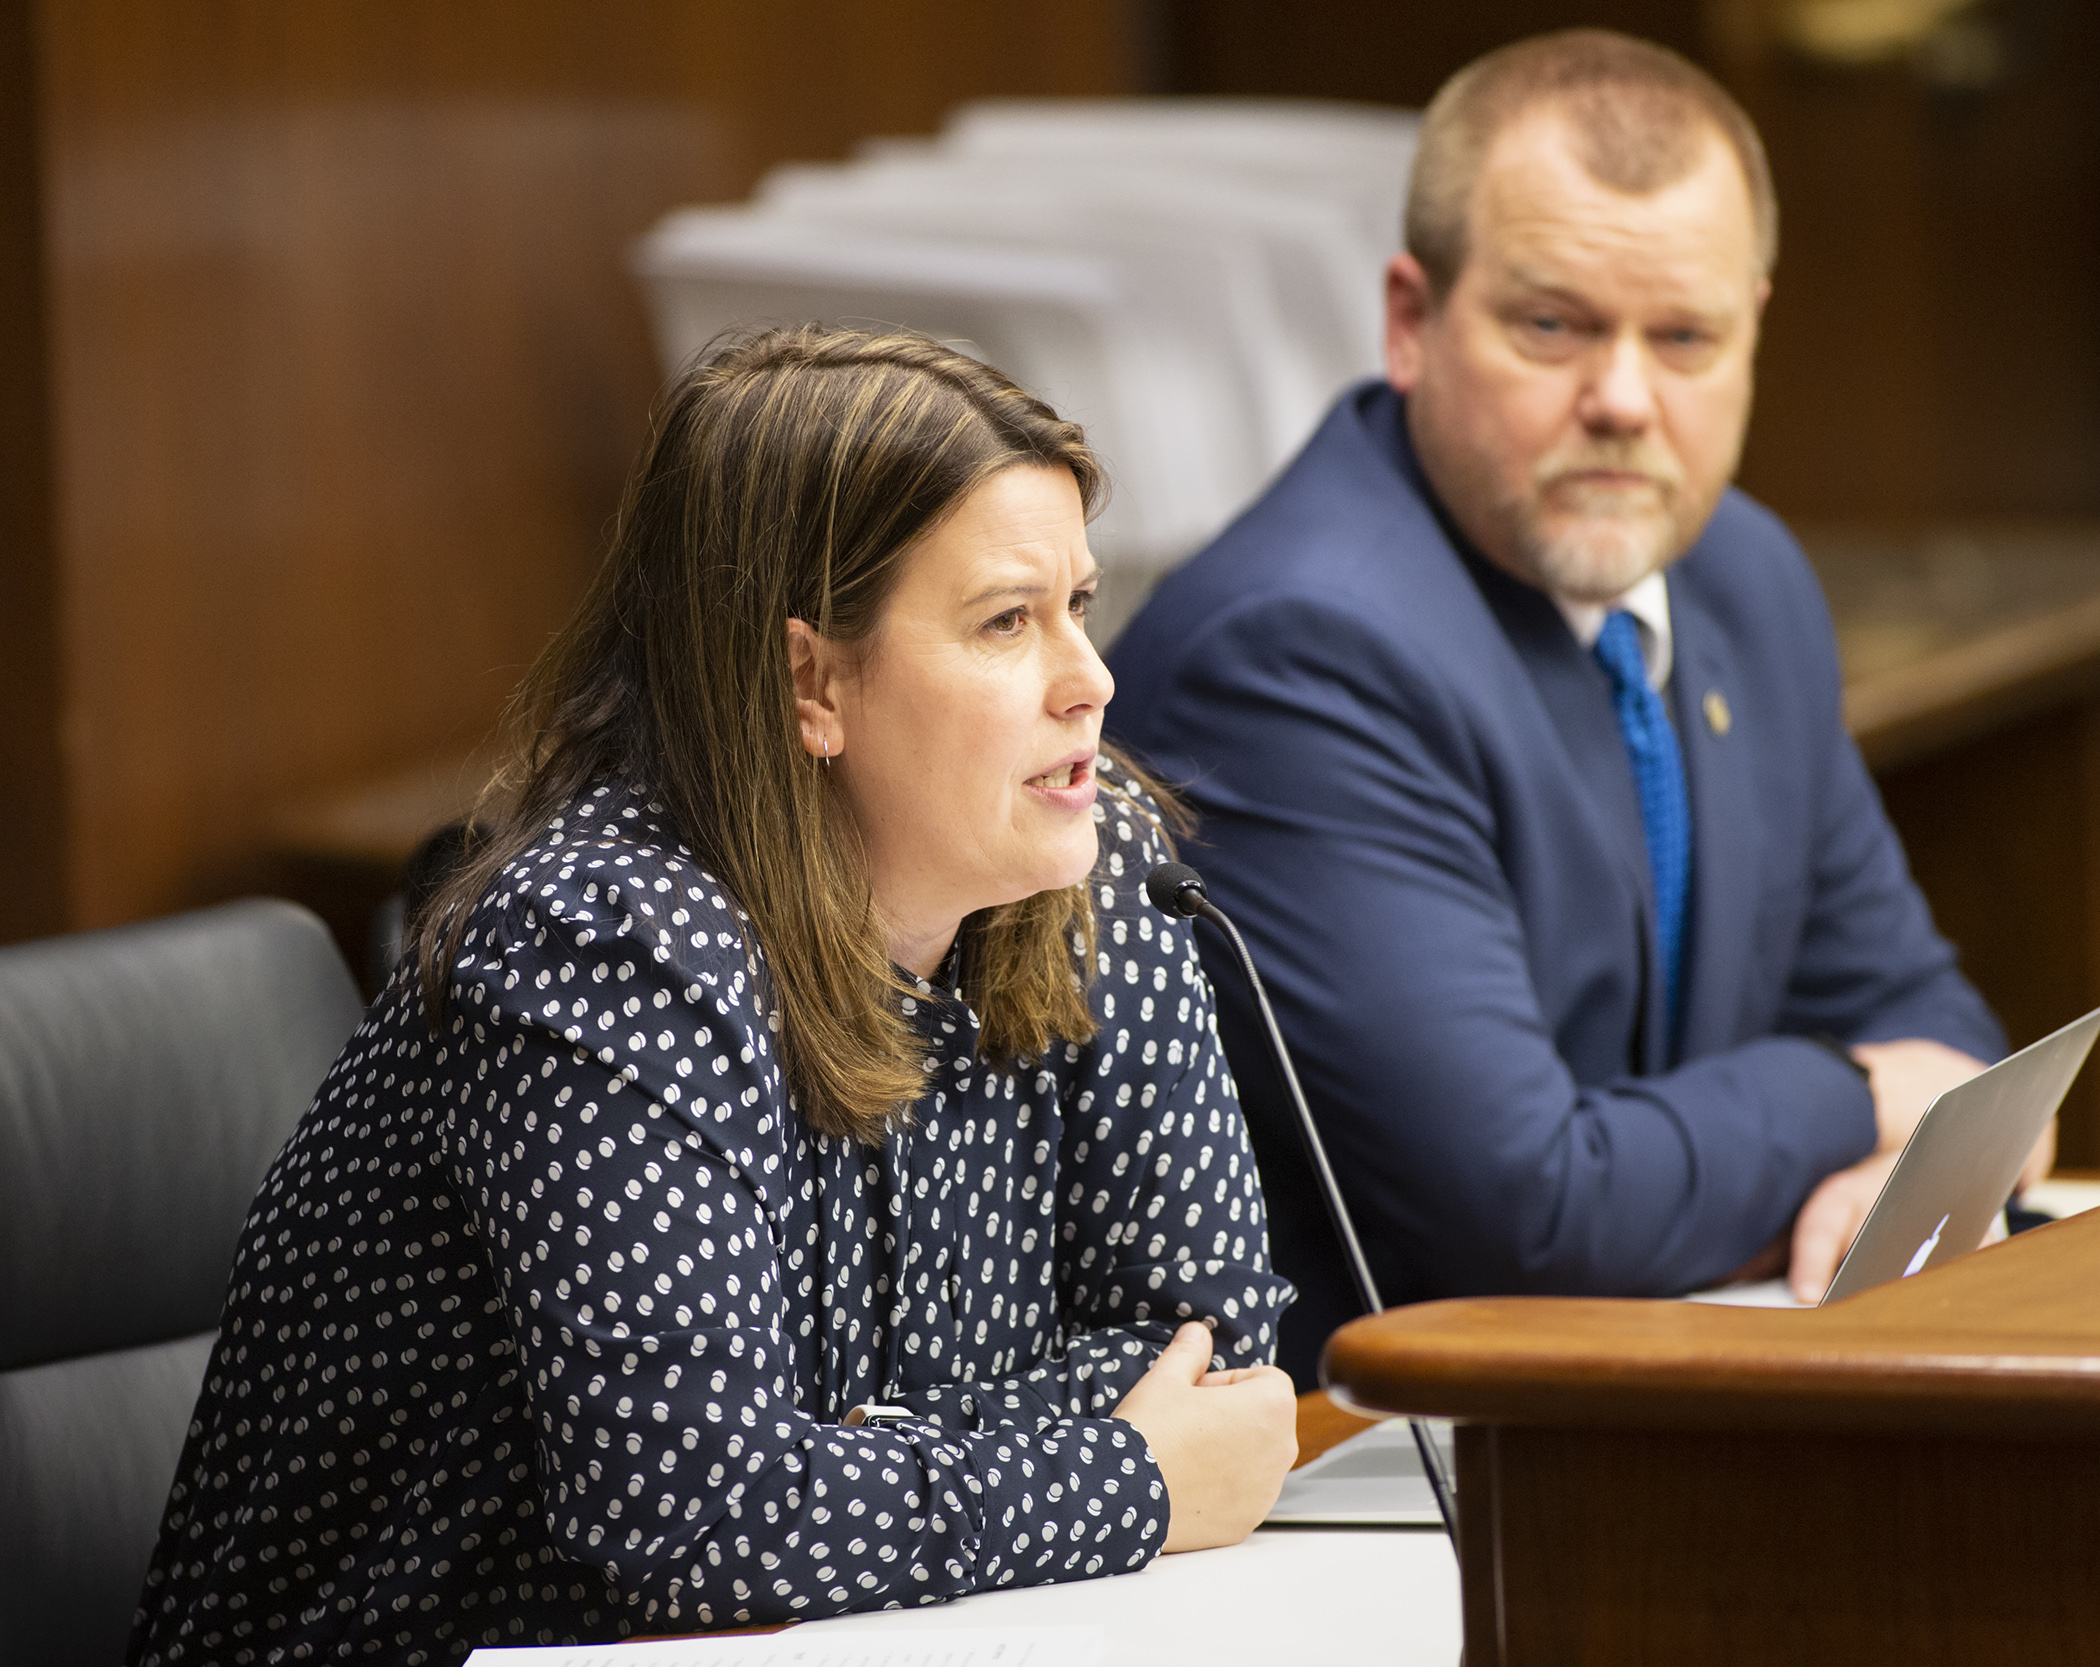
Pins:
<point x="1961" y="1162"/>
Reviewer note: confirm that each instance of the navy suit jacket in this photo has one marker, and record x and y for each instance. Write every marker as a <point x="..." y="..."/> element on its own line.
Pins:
<point x="1416" y="804"/>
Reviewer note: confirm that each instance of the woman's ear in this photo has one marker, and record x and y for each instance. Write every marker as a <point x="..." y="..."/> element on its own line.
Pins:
<point x="815" y="664"/>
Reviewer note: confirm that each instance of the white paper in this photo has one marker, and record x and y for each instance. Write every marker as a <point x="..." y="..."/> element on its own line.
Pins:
<point x="1281" y="1598"/>
<point x="2061" y="1196"/>
<point x="1039" y="1646"/>
<point x="1372" y="1480"/>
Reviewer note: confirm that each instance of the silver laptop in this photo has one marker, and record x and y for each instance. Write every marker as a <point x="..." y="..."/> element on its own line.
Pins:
<point x="1372" y="1480"/>
<point x="1962" y="1160"/>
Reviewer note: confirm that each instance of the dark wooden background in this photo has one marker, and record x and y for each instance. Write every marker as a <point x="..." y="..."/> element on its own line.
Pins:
<point x="319" y="365"/>
<point x="320" y="368"/>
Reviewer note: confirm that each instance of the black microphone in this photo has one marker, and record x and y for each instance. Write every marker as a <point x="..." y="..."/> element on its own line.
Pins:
<point x="1177" y="889"/>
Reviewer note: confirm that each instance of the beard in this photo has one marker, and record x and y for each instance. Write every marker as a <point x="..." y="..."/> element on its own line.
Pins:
<point x="1590" y="540"/>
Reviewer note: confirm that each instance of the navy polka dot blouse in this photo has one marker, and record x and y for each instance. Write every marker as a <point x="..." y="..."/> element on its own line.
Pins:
<point x="542" y="1330"/>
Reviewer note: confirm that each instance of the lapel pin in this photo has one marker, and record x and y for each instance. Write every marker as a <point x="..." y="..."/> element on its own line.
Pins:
<point x="1718" y="718"/>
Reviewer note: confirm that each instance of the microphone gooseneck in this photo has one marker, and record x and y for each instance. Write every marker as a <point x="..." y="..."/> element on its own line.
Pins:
<point x="1176" y="889"/>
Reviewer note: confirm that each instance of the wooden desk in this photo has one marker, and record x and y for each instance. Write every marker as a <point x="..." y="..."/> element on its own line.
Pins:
<point x="1912" y="1475"/>
<point x="343" y="853"/>
<point x="1957" y="633"/>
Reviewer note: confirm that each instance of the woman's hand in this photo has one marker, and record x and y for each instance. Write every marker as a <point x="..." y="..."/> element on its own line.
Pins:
<point x="1223" y="1440"/>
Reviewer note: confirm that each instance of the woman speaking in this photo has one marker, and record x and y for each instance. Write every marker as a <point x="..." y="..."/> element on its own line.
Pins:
<point x="794" y="1170"/>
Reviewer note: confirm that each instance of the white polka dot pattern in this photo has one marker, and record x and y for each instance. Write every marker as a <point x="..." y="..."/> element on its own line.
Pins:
<point x="541" y="1330"/>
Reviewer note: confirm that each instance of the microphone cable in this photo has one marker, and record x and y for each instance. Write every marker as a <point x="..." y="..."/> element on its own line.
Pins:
<point x="1176" y="889"/>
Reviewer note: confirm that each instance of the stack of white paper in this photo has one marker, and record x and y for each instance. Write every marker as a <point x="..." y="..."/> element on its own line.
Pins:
<point x="1194" y="280"/>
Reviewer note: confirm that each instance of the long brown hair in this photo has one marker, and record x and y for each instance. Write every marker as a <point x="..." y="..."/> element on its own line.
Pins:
<point x="786" y="475"/>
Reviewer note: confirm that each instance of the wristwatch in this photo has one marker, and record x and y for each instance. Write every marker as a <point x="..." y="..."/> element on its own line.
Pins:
<point x="1830" y="1044"/>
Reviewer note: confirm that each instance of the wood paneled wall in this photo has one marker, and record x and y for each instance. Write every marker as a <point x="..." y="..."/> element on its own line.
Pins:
<point x="32" y="798"/>
<point x="345" y="368"/>
<point x="1932" y="349"/>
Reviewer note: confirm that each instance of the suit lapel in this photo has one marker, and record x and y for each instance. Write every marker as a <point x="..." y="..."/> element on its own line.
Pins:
<point x="1709" y="705"/>
<point x="1576" y="694"/>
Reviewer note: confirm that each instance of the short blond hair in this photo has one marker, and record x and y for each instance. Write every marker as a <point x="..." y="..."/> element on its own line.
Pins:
<point x="1638" y="113"/>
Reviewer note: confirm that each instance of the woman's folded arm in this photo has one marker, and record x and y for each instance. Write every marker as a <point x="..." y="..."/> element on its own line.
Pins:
<point x="654" y="1319"/>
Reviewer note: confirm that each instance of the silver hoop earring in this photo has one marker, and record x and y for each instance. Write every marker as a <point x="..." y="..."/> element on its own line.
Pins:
<point x="827" y="752"/>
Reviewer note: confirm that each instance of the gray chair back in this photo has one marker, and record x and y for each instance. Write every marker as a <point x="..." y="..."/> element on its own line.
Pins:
<point x="148" y="1076"/>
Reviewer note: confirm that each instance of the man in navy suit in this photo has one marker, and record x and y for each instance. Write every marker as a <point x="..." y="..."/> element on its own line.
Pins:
<point x="1517" y="738"/>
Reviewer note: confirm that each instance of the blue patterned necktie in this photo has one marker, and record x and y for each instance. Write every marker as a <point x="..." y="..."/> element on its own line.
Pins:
<point x="1658" y="773"/>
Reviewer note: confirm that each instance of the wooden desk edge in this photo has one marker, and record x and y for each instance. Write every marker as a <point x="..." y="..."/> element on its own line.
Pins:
<point x="2000" y="1339"/>
<point x="1965" y="690"/>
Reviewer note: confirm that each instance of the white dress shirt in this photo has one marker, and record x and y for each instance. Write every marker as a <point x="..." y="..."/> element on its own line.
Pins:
<point x="1649" y="603"/>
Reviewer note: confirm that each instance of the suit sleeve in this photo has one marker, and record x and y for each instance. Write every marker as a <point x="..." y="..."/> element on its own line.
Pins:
<point x="1396" y="957"/>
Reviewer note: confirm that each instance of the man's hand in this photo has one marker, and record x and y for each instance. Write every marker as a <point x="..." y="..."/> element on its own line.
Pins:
<point x="1830" y="1221"/>
<point x="1223" y="1440"/>
<point x="1835" y="1211"/>
<point x="1905" y="1077"/>
<point x="2039" y="1162"/>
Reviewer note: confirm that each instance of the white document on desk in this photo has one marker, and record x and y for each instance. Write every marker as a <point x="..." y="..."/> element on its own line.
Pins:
<point x="1029" y="1646"/>
<point x="1372" y="1480"/>
<point x="1281" y="1597"/>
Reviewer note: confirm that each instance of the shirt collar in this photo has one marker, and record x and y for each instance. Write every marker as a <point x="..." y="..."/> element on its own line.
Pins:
<point x="1649" y="603"/>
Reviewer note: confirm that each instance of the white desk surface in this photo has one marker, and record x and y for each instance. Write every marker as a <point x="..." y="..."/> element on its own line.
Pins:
<point x="1285" y="1595"/>
<point x="2063" y="1195"/>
